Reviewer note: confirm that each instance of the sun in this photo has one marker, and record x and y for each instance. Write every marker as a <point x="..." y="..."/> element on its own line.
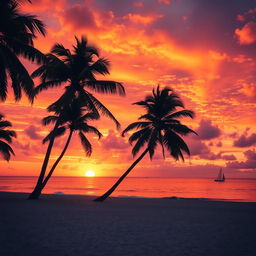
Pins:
<point x="89" y="173"/>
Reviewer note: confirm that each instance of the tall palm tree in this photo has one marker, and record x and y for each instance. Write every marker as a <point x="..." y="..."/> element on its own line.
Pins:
<point x="161" y="126"/>
<point x="74" y="120"/>
<point x="17" y="32"/>
<point x="77" y="71"/>
<point x="5" y="138"/>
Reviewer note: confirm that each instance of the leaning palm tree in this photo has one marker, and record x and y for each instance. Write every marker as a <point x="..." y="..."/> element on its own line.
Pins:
<point x="76" y="70"/>
<point x="17" y="32"/>
<point x="161" y="126"/>
<point x="5" y="138"/>
<point x="74" y="120"/>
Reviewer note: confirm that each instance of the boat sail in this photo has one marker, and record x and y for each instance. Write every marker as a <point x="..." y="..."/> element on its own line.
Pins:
<point x="221" y="176"/>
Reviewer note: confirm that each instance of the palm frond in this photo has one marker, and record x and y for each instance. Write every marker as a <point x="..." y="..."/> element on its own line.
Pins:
<point x="46" y="85"/>
<point x="152" y="143"/>
<point x="182" y="113"/>
<point x="49" y="119"/>
<point x="136" y="135"/>
<point x="32" y="23"/>
<point x="100" y="107"/>
<point x="6" y="150"/>
<point x="135" y="125"/>
<point x="86" y="144"/>
<point x="3" y="81"/>
<point x="180" y="129"/>
<point x="94" y="130"/>
<point x="7" y="135"/>
<point x="4" y="124"/>
<point x="55" y="133"/>
<point x="105" y="87"/>
<point x="60" y="50"/>
<point x="22" y="76"/>
<point x="175" y="145"/>
<point x="141" y="142"/>
<point x="100" y="66"/>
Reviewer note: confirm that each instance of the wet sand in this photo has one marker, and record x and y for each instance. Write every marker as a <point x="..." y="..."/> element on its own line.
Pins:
<point x="75" y="225"/>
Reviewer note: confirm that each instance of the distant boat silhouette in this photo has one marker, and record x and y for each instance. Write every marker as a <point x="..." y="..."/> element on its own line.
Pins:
<point x="220" y="177"/>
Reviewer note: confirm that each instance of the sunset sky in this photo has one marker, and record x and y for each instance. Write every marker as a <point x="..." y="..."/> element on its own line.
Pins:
<point x="203" y="49"/>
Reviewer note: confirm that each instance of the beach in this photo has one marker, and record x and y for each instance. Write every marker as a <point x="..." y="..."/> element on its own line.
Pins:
<point x="75" y="225"/>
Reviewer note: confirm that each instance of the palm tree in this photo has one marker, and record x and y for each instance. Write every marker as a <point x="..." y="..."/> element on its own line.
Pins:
<point x="5" y="138"/>
<point x="17" y="32"/>
<point x="76" y="70"/>
<point x="74" y="120"/>
<point x="161" y="126"/>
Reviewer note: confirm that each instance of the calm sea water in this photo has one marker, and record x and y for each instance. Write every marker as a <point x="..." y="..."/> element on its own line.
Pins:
<point x="232" y="189"/>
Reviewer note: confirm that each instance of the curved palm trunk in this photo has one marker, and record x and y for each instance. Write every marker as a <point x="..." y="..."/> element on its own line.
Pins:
<point x="112" y="189"/>
<point x="57" y="161"/>
<point x="37" y="190"/>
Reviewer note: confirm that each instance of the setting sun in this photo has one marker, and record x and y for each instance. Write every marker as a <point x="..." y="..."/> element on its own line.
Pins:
<point x="89" y="173"/>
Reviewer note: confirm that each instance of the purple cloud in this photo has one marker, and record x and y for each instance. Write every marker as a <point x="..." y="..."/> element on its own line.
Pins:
<point x="32" y="133"/>
<point x="250" y="162"/>
<point x="207" y="131"/>
<point x="245" y="141"/>
<point x="114" y="142"/>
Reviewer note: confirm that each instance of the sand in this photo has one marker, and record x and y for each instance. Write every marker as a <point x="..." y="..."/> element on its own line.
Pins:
<point x="75" y="225"/>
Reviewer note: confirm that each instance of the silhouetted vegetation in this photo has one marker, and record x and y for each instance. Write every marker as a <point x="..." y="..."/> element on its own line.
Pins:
<point x="77" y="71"/>
<point x="73" y="118"/>
<point x="17" y="32"/>
<point x="6" y="138"/>
<point x="160" y="126"/>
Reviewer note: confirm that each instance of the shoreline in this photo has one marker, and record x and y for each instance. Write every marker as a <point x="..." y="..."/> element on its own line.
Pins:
<point x="137" y="197"/>
<point x="74" y="225"/>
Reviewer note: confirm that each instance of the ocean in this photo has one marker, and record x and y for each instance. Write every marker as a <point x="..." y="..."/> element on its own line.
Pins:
<point x="231" y="189"/>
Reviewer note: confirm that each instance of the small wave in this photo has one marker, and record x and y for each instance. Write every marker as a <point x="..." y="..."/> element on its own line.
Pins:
<point x="127" y="196"/>
<point x="58" y="193"/>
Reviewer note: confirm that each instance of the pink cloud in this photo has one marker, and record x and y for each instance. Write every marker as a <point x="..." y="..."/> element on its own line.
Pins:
<point x="207" y="131"/>
<point x="166" y="2"/>
<point x="32" y="133"/>
<point x="250" y="162"/>
<point x="79" y="16"/>
<point x="247" y="34"/>
<point x="143" y="19"/>
<point x="138" y="4"/>
<point x="112" y="141"/>
<point x="197" y="147"/>
<point x="245" y="141"/>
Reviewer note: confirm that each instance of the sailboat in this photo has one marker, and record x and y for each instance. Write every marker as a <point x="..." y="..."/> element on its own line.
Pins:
<point x="220" y="177"/>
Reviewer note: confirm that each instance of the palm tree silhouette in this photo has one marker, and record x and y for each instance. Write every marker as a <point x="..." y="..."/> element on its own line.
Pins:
<point x="161" y="126"/>
<point x="73" y="119"/>
<point x="5" y="138"/>
<point x="76" y="70"/>
<point x="17" y="32"/>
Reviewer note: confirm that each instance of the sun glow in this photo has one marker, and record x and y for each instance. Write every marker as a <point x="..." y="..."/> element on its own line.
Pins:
<point x="89" y="173"/>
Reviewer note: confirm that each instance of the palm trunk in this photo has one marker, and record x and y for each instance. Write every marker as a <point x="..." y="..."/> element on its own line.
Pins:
<point x="57" y="161"/>
<point x="37" y="190"/>
<point x="112" y="189"/>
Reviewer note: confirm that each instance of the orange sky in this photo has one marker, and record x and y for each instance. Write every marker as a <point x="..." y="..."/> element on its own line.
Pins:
<point x="205" y="50"/>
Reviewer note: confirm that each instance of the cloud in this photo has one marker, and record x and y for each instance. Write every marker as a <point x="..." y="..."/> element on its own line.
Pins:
<point x="143" y="19"/>
<point x="32" y="133"/>
<point x="250" y="162"/>
<point x="245" y="141"/>
<point x="114" y="142"/>
<point x="249" y="89"/>
<point x="247" y="34"/>
<point x="229" y="157"/>
<point x="166" y="2"/>
<point x="138" y="4"/>
<point x="219" y="144"/>
<point x="79" y="16"/>
<point x="207" y="131"/>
